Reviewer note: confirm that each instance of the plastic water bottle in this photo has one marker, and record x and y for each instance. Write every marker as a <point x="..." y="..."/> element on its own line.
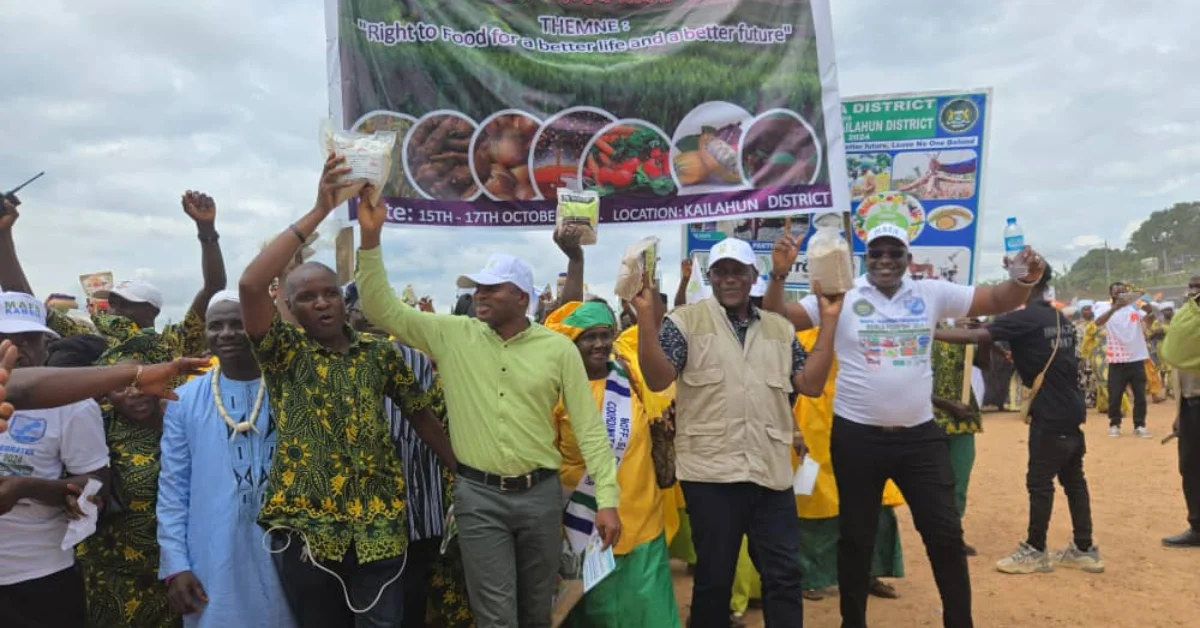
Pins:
<point x="1014" y="243"/>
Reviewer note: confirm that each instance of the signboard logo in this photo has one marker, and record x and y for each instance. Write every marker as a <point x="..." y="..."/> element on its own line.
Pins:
<point x="959" y="115"/>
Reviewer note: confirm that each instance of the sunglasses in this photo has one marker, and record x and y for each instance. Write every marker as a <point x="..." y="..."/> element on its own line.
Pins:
<point x="894" y="252"/>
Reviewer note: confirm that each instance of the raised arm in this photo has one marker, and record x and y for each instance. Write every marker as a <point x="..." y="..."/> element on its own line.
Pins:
<point x="48" y="387"/>
<point x="567" y="240"/>
<point x="783" y="257"/>
<point x="811" y="378"/>
<point x="685" y="276"/>
<point x="203" y="211"/>
<point x="254" y="288"/>
<point x="657" y="369"/>
<point x="12" y="276"/>
<point x="1012" y="294"/>
<point x="422" y="331"/>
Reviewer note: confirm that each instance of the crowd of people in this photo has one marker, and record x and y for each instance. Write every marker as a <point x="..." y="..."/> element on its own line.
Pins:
<point x="298" y="452"/>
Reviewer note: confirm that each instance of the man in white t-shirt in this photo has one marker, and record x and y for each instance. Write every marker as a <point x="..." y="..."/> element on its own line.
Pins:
<point x="1127" y="353"/>
<point x="883" y="414"/>
<point x="39" y="585"/>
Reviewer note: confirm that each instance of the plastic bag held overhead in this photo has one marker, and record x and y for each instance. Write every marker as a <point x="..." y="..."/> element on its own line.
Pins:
<point x="640" y="259"/>
<point x="829" y="263"/>
<point x="369" y="156"/>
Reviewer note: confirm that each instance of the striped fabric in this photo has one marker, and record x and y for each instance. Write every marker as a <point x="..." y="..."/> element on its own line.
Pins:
<point x="422" y="470"/>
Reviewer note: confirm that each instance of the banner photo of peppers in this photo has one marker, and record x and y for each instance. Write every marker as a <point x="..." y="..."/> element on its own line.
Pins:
<point x="671" y="110"/>
<point x="915" y="160"/>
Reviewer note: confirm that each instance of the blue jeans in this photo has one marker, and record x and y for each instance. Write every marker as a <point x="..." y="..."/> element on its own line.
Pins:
<point x="317" y="599"/>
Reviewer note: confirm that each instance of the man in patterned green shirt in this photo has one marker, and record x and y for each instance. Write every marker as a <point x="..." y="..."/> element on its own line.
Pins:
<point x="336" y="499"/>
<point x="134" y="306"/>
<point x="961" y="421"/>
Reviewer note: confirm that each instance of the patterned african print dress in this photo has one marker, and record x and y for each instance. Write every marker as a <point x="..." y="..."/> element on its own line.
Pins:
<point x="119" y="562"/>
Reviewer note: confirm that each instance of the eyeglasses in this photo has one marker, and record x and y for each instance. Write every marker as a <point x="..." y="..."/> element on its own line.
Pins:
<point x="891" y="252"/>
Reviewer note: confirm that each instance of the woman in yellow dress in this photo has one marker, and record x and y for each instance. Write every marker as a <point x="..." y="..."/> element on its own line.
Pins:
<point x="640" y="592"/>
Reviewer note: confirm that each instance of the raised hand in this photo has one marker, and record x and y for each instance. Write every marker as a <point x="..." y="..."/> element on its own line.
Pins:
<point x="647" y="303"/>
<point x="372" y="211"/>
<point x="831" y="305"/>
<point x="1033" y="262"/>
<point x="9" y="215"/>
<point x="786" y="250"/>
<point x="8" y="359"/>
<point x="425" y="304"/>
<point x="199" y="206"/>
<point x="685" y="269"/>
<point x="332" y="190"/>
<point x="568" y="239"/>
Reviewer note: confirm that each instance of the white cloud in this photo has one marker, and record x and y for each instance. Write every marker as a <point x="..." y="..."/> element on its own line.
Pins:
<point x="127" y="103"/>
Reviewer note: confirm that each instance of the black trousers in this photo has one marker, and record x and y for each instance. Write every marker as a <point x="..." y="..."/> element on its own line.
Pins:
<point x="421" y="556"/>
<point x="1189" y="457"/>
<point x="721" y="514"/>
<point x="1121" y="376"/>
<point x="317" y="599"/>
<point x="1053" y="455"/>
<point x="917" y="459"/>
<point x="53" y="601"/>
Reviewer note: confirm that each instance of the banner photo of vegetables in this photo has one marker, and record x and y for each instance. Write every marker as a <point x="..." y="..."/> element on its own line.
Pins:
<point x="629" y="157"/>
<point x="719" y="111"/>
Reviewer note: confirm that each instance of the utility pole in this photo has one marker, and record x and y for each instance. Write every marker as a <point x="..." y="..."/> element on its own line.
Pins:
<point x="1107" y="268"/>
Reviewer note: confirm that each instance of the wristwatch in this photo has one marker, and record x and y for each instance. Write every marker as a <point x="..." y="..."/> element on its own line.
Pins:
<point x="779" y="276"/>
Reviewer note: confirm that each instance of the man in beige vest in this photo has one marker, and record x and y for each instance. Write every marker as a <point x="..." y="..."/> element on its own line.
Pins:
<point x="736" y="368"/>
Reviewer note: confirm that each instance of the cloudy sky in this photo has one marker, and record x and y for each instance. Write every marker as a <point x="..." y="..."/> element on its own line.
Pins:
<point x="127" y="103"/>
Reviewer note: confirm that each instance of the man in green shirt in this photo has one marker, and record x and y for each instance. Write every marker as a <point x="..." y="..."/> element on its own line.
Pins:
<point x="336" y="499"/>
<point x="503" y="377"/>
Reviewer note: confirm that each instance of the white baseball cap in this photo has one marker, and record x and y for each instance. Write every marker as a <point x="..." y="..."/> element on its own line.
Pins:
<point x="734" y="249"/>
<point x="501" y="268"/>
<point x="888" y="230"/>
<point x="1085" y="303"/>
<point x="20" y="313"/>
<point x="135" y="291"/>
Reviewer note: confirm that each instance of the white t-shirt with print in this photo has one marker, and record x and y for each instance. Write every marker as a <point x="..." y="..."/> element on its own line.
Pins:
<point x="1126" y="336"/>
<point x="883" y="349"/>
<point x="42" y="444"/>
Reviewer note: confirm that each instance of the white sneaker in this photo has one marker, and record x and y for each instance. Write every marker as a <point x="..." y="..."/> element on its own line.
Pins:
<point x="1142" y="432"/>
<point x="1076" y="558"/>
<point x="1025" y="560"/>
<point x="1114" y="431"/>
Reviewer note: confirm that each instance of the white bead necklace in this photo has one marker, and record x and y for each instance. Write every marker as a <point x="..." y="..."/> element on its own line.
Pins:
<point x="244" y="426"/>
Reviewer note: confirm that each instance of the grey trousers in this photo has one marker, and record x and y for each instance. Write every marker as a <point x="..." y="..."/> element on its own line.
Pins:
<point x="511" y="543"/>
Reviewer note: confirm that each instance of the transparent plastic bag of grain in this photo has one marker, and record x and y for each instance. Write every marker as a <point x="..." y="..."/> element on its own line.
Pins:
<point x="640" y="258"/>
<point x="580" y="209"/>
<point x="369" y="156"/>
<point x="829" y="263"/>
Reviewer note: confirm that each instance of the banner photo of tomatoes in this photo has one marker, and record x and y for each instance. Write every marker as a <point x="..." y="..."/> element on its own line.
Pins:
<point x="914" y="160"/>
<point x="670" y="110"/>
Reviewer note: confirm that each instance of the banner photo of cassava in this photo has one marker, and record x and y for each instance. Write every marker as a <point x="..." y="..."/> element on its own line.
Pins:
<point x="669" y="110"/>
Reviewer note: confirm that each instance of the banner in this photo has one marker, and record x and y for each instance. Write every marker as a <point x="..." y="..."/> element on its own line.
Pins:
<point x="672" y="110"/>
<point x="912" y="159"/>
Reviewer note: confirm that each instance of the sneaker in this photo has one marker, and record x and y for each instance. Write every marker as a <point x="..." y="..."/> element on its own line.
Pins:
<point x="1114" y="430"/>
<point x="1075" y="558"/>
<point x="1142" y="432"/>
<point x="1025" y="560"/>
<point x="1191" y="538"/>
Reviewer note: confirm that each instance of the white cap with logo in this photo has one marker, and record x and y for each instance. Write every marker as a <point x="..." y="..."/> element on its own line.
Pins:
<point x="888" y="230"/>
<point x="20" y="313"/>
<point x="501" y="268"/>
<point x="734" y="249"/>
<point x="135" y="291"/>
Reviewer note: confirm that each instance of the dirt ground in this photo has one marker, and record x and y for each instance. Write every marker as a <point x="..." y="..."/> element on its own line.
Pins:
<point x="1136" y="500"/>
